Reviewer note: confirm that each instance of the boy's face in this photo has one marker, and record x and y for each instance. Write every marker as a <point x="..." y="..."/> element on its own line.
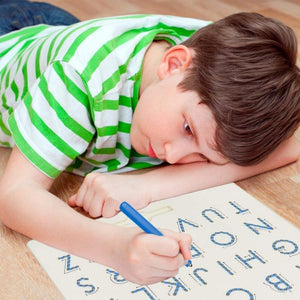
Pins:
<point x="173" y="125"/>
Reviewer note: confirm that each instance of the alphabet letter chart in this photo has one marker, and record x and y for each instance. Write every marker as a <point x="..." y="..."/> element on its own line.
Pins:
<point x="241" y="250"/>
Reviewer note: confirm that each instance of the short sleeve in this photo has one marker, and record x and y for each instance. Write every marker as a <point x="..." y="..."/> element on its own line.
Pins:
<point x="52" y="125"/>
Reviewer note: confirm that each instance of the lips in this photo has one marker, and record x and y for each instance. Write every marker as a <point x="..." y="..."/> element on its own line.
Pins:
<point x="151" y="151"/>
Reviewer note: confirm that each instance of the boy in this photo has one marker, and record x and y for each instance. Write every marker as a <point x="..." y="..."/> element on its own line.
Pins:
<point x="68" y="96"/>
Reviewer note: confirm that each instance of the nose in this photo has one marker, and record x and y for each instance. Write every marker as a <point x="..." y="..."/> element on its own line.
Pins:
<point x="181" y="154"/>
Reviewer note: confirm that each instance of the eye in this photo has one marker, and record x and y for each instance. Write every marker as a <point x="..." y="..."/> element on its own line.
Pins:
<point x="187" y="128"/>
<point x="203" y="157"/>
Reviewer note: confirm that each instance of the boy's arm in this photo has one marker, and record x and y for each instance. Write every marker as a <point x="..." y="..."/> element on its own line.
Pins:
<point x="101" y="194"/>
<point x="27" y="207"/>
<point x="196" y="176"/>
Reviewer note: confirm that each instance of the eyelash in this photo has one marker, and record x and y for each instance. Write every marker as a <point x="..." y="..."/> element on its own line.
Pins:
<point x="187" y="128"/>
<point x="204" y="157"/>
<point x="189" y="132"/>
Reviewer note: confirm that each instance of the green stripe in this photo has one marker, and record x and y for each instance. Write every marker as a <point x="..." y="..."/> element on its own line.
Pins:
<point x="4" y="102"/>
<point x="5" y="144"/>
<point x="24" y="33"/>
<point x="78" y="41"/>
<point x="51" y="46"/>
<point x="107" y="104"/>
<point x="66" y="119"/>
<point x="112" y="150"/>
<point x="30" y="153"/>
<point x="3" y="127"/>
<point x="111" y="130"/>
<point x="124" y="127"/>
<point x="125" y="101"/>
<point x="112" y="164"/>
<point x="76" y="164"/>
<point x="104" y="151"/>
<point x="116" y="42"/>
<point x="140" y="165"/>
<point x="25" y="77"/>
<point x="37" y="60"/>
<point x="72" y="88"/>
<point x="125" y="150"/>
<point x="5" y="73"/>
<point x="107" y="130"/>
<point x="63" y="41"/>
<point x="67" y="35"/>
<point x="113" y="80"/>
<point x="136" y="154"/>
<point x="15" y="89"/>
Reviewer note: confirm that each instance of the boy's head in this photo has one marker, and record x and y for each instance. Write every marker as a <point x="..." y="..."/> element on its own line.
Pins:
<point x="230" y="92"/>
<point x="244" y="69"/>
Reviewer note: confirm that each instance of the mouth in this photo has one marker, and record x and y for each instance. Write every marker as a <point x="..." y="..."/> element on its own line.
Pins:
<point x="151" y="151"/>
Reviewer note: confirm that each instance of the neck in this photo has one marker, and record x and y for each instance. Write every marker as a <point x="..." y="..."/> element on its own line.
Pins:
<point x="151" y="63"/>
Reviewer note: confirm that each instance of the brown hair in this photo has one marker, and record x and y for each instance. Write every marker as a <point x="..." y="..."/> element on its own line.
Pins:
<point x="245" y="70"/>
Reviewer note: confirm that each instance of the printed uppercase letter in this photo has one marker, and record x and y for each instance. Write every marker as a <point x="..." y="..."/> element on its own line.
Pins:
<point x="254" y="227"/>
<point x="89" y="288"/>
<point x="239" y="209"/>
<point x="278" y="283"/>
<point x="253" y="256"/>
<point x="115" y="277"/>
<point x="241" y="290"/>
<point x="68" y="268"/>
<point x="286" y="247"/>
<point x="146" y="291"/>
<point x="176" y="284"/>
<point x="211" y="210"/>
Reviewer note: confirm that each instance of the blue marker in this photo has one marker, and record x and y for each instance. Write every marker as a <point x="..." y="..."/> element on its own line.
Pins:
<point x="141" y="221"/>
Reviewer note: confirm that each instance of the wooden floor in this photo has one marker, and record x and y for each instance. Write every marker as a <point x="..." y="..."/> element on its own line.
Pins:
<point x="21" y="276"/>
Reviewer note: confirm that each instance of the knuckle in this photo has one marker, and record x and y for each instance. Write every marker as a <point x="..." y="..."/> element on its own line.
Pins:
<point x="91" y="178"/>
<point x="174" y="249"/>
<point x="175" y="264"/>
<point x="134" y="259"/>
<point x="94" y="213"/>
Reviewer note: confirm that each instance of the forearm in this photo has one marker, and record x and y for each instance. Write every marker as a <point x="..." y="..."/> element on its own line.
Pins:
<point x="43" y="217"/>
<point x="174" y="180"/>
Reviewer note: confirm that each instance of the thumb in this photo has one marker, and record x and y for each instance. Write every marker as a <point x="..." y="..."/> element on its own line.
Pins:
<point x="184" y="240"/>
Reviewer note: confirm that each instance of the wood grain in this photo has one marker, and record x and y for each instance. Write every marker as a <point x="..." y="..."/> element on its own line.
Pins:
<point x="21" y="276"/>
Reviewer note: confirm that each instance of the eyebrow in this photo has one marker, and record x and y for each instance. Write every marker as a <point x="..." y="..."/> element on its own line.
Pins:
<point x="191" y="124"/>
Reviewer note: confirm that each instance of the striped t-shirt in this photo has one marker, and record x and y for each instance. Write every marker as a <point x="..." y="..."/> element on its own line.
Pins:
<point x="68" y="93"/>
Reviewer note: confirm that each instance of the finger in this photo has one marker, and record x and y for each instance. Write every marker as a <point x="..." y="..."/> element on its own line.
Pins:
<point x="96" y="207"/>
<point x="80" y="195"/>
<point x="161" y="245"/>
<point x="185" y="249"/>
<point x="166" y="265"/>
<point x="88" y="198"/>
<point x="184" y="240"/>
<point x="110" y="208"/>
<point x="72" y="200"/>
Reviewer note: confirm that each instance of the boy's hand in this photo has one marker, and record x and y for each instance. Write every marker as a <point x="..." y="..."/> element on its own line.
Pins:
<point x="146" y="258"/>
<point x="101" y="194"/>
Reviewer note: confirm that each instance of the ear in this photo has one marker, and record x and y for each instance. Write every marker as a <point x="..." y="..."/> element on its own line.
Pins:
<point x="175" y="60"/>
